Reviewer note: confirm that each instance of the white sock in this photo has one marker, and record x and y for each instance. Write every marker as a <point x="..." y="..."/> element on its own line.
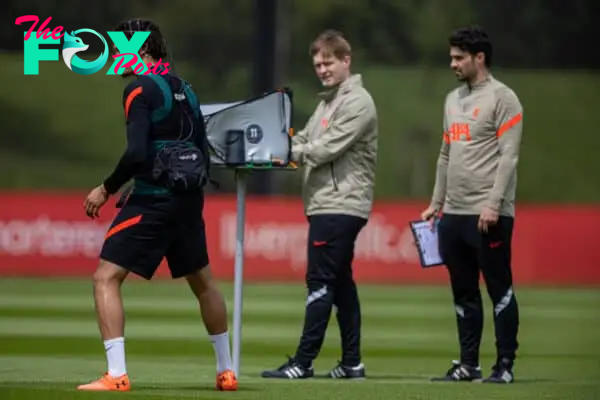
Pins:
<point x="115" y="355"/>
<point x="221" y="345"/>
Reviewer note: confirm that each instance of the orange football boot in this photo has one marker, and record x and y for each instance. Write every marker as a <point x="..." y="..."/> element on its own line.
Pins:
<point x="108" y="383"/>
<point x="226" y="381"/>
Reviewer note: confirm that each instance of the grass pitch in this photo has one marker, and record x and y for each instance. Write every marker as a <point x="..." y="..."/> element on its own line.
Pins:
<point x="49" y="344"/>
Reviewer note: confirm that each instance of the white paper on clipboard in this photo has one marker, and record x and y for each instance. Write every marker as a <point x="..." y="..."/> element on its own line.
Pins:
<point x="426" y="240"/>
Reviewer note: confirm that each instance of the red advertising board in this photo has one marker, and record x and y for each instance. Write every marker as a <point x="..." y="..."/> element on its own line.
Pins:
<point x="46" y="234"/>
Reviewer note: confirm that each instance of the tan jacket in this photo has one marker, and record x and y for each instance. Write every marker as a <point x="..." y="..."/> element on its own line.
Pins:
<point x="338" y="150"/>
<point x="479" y="155"/>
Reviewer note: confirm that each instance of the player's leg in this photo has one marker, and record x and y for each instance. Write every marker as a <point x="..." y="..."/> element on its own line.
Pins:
<point x="108" y="302"/>
<point x="133" y="243"/>
<point x="495" y="259"/>
<point x="187" y="257"/>
<point x="461" y="262"/>
<point x="347" y="306"/>
<point x="325" y="250"/>
<point x="214" y="315"/>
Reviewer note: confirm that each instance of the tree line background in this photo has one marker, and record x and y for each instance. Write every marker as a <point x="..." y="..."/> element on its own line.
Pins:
<point x="231" y="49"/>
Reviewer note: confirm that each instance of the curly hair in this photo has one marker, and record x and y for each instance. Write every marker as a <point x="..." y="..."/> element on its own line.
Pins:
<point x="155" y="45"/>
<point x="473" y="39"/>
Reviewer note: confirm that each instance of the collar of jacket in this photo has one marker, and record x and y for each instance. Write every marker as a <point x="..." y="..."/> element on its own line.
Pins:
<point x="344" y="87"/>
<point x="482" y="83"/>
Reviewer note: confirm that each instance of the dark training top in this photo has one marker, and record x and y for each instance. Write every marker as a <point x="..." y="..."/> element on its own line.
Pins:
<point x="140" y="99"/>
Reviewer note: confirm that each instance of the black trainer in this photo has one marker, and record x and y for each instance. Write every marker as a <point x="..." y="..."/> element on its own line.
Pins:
<point x="501" y="373"/>
<point x="345" y="372"/>
<point x="460" y="373"/>
<point x="290" y="370"/>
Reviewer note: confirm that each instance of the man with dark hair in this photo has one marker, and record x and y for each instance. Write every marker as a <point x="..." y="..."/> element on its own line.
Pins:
<point x="167" y="157"/>
<point x="338" y="150"/>
<point x="475" y="189"/>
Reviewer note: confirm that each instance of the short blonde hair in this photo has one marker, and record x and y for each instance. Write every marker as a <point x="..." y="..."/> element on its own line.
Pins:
<point x="331" y="42"/>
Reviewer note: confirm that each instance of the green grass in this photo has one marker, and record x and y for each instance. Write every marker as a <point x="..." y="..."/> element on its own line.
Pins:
<point x="49" y="343"/>
<point x="64" y="130"/>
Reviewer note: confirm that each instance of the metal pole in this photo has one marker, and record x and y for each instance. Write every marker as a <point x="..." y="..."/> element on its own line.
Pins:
<point x="263" y="68"/>
<point x="239" y="269"/>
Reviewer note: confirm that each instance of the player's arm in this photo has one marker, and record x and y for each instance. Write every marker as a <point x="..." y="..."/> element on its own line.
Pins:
<point x="441" y="174"/>
<point x="136" y="103"/>
<point x="509" y="125"/>
<point x="356" y="113"/>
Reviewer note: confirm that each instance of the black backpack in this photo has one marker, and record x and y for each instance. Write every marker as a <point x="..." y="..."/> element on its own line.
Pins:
<point x="179" y="165"/>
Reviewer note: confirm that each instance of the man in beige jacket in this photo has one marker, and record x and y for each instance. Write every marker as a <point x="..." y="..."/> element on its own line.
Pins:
<point x="475" y="188"/>
<point x="337" y="150"/>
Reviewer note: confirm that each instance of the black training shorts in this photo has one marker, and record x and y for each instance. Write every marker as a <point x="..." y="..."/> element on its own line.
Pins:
<point x="149" y="228"/>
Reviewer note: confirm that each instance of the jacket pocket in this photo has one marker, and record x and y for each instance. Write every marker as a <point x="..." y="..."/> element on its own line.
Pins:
<point x="333" y="178"/>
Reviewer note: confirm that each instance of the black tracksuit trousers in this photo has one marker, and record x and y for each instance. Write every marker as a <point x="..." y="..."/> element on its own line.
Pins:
<point x="329" y="280"/>
<point x="466" y="251"/>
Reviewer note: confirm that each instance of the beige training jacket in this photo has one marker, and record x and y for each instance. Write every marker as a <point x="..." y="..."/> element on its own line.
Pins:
<point x="338" y="150"/>
<point x="477" y="165"/>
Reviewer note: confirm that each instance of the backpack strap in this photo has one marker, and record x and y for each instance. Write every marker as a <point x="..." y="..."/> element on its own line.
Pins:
<point x="191" y="98"/>
<point x="160" y="113"/>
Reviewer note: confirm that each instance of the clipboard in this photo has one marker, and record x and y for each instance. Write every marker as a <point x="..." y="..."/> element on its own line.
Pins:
<point x="426" y="241"/>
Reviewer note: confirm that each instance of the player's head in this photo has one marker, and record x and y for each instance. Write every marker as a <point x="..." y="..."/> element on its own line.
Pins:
<point x="331" y="56"/>
<point x="470" y="52"/>
<point x="153" y="49"/>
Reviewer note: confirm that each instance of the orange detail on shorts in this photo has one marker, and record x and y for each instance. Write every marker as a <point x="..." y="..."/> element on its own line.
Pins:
<point x="134" y="93"/>
<point x="509" y="124"/>
<point x="123" y="225"/>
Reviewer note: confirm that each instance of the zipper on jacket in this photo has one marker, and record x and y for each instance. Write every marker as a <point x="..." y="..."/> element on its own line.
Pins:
<point x="333" y="179"/>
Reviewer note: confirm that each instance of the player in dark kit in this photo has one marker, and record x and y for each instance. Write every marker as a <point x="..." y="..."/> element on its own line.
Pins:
<point x="167" y="158"/>
<point x="475" y="188"/>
